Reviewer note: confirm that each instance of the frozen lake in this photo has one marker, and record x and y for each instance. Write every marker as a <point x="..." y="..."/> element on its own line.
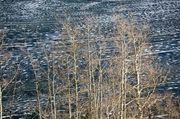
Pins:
<point x="31" y="21"/>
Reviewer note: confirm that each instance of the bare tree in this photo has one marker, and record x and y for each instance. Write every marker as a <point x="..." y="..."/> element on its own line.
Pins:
<point x="91" y="79"/>
<point x="140" y="66"/>
<point x="8" y="80"/>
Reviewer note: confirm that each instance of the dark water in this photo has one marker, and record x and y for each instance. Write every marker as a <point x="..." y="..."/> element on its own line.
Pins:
<point x="31" y="22"/>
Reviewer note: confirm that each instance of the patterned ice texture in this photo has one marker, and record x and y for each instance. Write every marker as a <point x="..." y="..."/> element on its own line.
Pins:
<point x="31" y="25"/>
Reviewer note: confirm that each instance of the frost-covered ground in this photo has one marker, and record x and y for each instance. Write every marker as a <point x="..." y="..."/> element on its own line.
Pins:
<point x="30" y="21"/>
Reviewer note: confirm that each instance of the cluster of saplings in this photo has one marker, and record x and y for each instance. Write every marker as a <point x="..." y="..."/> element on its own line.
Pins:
<point x="92" y="75"/>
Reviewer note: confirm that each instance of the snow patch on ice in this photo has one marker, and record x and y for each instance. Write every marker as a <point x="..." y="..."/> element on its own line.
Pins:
<point x="29" y="8"/>
<point x="33" y="6"/>
<point x="89" y="5"/>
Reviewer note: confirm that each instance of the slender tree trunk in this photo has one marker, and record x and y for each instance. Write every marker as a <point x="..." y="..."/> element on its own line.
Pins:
<point x="137" y="70"/>
<point x="69" y="97"/>
<point x="69" y="100"/>
<point x="1" y="102"/>
<point x="100" y="84"/>
<point x="90" y="77"/>
<point x="54" y="97"/>
<point x="76" y="92"/>
<point x="94" y="95"/>
<point x="122" y="91"/>
<point x="50" y="93"/>
<point x="123" y="79"/>
<point x="75" y="77"/>
<point x="37" y="88"/>
<point x="53" y="91"/>
<point x="38" y="100"/>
